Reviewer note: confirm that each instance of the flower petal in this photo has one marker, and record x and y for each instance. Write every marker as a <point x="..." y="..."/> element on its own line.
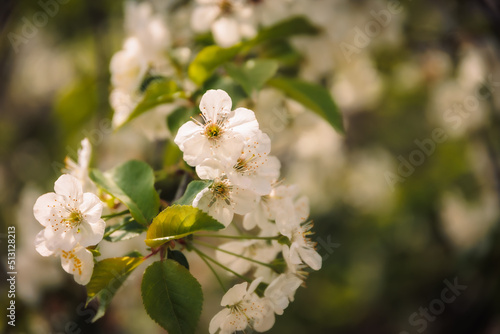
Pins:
<point x="68" y="185"/>
<point x="234" y="295"/>
<point x="215" y="103"/>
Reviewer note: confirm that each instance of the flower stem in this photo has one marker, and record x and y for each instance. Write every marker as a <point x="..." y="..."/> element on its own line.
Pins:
<point x="116" y="214"/>
<point x="202" y="256"/>
<point x="221" y="265"/>
<point x="244" y="237"/>
<point x="231" y="253"/>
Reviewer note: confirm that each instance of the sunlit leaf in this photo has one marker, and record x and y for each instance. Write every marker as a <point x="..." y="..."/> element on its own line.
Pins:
<point x="107" y="277"/>
<point x="133" y="184"/>
<point x="178" y="221"/>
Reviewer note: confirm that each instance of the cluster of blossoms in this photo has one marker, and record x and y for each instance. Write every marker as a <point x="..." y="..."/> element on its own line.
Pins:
<point x="142" y="55"/>
<point x="72" y="219"/>
<point x="228" y="149"/>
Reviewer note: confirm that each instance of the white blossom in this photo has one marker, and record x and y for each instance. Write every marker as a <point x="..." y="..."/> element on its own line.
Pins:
<point x="70" y="216"/>
<point x="78" y="261"/>
<point x="229" y="20"/>
<point x="243" y="308"/>
<point x="281" y="291"/>
<point x="221" y="135"/>
<point x="302" y="248"/>
<point x="254" y="169"/>
<point x="259" y="250"/>
<point x="222" y="199"/>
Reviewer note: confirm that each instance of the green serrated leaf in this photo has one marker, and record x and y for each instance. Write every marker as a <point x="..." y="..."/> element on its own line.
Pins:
<point x="193" y="189"/>
<point x="158" y="91"/>
<point x="133" y="184"/>
<point x="178" y="221"/>
<point x="208" y="59"/>
<point x="107" y="277"/>
<point x="125" y="230"/>
<point x="253" y="74"/>
<point x="179" y="257"/>
<point x="312" y="96"/>
<point x="172" y="297"/>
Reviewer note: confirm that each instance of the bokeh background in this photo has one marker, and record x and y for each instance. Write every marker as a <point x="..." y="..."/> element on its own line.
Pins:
<point x="406" y="201"/>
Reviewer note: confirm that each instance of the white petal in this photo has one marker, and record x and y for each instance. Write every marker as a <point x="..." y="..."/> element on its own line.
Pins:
<point x="244" y="200"/>
<point x="186" y="131"/>
<point x="302" y="208"/>
<point x="254" y="285"/>
<point x="80" y="263"/>
<point x="227" y="148"/>
<point x="41" y="244"/>
<point x="90" y="234"/>
<point x="222" y="212"/>
<point x="214" y="103"/>
<point x="91" y="207"/>
<point x="68" y="185"/>
<point x="217" y="320"/>
<point x="46" y="208"/>
<point x="209" y="169"/>
<point x="196" y="149"/>
<point x="234" y="294"/>
<point x="226" y="31"/>
<point x="203" y="17"/>
<point x="244" y="122"/>
<point x="310" y="257"/>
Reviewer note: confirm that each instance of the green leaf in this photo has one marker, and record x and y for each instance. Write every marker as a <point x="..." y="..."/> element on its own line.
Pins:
<point x="208" y="59"/>
<point x="213" y="56"/>
<point x="133" y="184"/>
<point x="294" y="26"/>
<point x="193" y="189"/>
<point x="179" y="257"/>
<point x="178" y="221"/>
<point x="125" y="230"/>
<point x="172" y="297"/>
<point x="253" y="74"/>
<point x="158" y="91"/>
<point x="312" y="96"/>
<point x="108" y="276"/>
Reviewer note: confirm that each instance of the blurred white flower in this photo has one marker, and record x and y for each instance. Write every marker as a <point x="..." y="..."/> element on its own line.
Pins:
<point x="243" y="308"/>
<point x="143" y="53"/>
<point x="69" y="216"/>
<point x="254" y="249"/>
<point x="229" y="20"/>
<point x="222" y="199"/>
<point x="221" y="135"/>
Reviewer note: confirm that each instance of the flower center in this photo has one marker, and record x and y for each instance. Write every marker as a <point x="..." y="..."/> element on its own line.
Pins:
<point x="213" y="130"/>
<point x="74" y="219"/>
<point x="243" y="166"/>
<point x="220" y="190"/>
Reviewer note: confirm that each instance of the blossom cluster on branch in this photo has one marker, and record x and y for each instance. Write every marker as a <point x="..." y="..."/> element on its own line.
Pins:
<point x="226" y="179"/>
